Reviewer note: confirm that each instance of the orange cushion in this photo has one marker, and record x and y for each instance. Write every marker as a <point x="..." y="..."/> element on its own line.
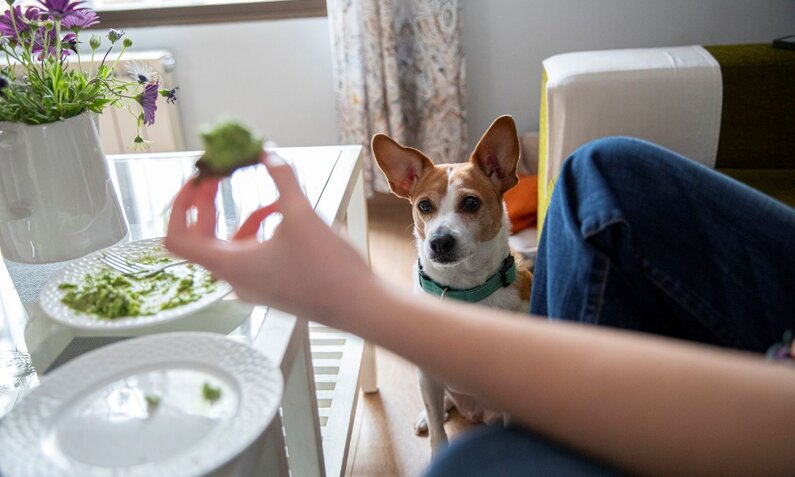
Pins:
<point x="522" y="203"/>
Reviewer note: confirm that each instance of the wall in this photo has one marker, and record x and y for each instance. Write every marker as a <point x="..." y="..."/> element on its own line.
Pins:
<point x="505" y="41"/>
<point x="277" y="74"/>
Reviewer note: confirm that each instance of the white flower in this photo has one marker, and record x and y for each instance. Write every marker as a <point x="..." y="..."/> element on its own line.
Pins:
<point x="141" y="72"/>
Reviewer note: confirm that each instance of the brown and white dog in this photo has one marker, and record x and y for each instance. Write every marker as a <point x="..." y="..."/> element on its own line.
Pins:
<point x="461" y="230"/>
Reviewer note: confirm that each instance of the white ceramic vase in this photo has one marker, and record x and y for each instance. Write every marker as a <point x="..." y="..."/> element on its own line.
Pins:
<point x="57" y="201"/>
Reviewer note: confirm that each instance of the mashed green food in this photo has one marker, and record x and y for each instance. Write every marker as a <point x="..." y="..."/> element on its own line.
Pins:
<point x="109" y="294"/>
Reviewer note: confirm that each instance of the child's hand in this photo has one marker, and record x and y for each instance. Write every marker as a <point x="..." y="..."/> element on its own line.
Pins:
<point x="305" y="268"/>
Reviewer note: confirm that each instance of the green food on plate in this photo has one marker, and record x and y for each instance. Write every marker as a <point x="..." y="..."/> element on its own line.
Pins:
<point x="108" y="294"/>
<point x="211" y="393"/>
<point x="228" y="145"/>
<point x="152" y="401"/>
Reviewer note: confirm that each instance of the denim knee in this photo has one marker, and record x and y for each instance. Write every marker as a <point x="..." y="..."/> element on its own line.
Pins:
<point x="605" y="153"/>
<point x="618" y="161"/>
<point x="620" y="152"/>
<point x="640" y="237"/>
<point x="511" y="451"/>
<point x="616" y="179"/>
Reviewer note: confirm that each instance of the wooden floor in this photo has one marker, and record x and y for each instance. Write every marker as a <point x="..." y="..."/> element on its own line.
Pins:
<point x="383" y="442"/>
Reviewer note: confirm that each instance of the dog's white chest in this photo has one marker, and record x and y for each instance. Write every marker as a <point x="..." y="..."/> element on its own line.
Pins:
<point x="506" y="298"/>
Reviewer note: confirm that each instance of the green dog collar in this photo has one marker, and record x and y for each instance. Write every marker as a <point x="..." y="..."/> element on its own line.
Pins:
<point x="504" y="277"/>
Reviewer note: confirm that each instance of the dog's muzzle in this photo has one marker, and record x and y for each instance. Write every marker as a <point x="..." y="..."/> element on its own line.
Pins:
<point x="443" y="246"/>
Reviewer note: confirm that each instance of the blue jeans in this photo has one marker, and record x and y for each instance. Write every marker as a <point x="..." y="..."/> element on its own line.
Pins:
<point x="639" y="238"/>
<point x="512" y="452"/>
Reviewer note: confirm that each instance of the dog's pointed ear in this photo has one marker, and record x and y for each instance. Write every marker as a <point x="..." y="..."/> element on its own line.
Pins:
<point x="402" y="166"/>
<point x="497" y="153"/>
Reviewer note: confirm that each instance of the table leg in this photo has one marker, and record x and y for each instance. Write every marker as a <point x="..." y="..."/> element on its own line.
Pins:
<point x="358" y="235"/>
<point x="271" y="458"/>
<point x="299" y="405"/>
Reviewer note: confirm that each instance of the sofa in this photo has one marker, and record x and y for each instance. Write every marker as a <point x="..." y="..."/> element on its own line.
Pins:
<point x="731" y="108"/>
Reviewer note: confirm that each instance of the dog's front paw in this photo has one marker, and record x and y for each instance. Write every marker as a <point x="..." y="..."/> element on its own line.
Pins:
<point x="421" y="424"/>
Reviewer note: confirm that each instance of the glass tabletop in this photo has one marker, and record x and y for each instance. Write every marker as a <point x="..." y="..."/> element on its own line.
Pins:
<point x="146" y="185"/>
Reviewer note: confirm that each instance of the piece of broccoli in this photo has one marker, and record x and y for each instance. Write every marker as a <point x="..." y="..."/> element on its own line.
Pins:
<point x="211" y="393"/>
<point x="152" y="401"/>
<point x="228" y="145"/>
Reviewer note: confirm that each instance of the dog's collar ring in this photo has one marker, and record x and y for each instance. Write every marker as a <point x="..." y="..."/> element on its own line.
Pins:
<point x="444" y="293"/>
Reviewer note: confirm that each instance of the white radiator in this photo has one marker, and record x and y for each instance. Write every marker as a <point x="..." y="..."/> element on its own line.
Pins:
<point x="117" y="126"/>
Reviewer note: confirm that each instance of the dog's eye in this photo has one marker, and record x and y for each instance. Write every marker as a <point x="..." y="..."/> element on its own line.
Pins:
<point x="471" y="203"/>
<point x="424" y="206"/>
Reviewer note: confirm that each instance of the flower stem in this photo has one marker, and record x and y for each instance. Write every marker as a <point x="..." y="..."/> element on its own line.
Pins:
<point x="106" y="55"/>
<point x="123" y="49"/>
<point x="77" y="47"/>
<point x="11" y="72"/>
<point x="57" y="39"/>
<point x="14" y="21"/>
<point x="92" y="59"/>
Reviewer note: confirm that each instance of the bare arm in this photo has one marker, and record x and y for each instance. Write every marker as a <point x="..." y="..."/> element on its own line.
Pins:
<point x="647" y="404"/>
<point x="650" y="405"/>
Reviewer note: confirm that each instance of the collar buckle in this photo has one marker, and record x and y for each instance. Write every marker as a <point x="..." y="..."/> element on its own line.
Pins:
<point x="507" y="264"/>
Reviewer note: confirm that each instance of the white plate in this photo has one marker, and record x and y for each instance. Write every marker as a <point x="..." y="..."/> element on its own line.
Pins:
<point x="90" y="417"/>
<point x="50" y="297"/>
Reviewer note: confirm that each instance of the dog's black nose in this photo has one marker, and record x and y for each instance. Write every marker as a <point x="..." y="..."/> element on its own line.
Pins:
<point x="442" y="244"/>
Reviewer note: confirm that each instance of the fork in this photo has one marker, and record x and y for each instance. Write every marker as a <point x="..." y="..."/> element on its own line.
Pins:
<point x="126" y="267"/>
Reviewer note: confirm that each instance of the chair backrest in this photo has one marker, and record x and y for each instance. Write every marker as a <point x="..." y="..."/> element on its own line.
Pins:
<point x="728" y="107"/>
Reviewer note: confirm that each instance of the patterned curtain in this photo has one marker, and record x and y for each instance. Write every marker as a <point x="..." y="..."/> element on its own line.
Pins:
<point x="399" y="70"/>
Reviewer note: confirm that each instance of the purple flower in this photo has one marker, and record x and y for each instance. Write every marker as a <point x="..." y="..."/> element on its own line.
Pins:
<point x="171" y="95"/>
<point x="148" y="100"/>
<point x="38" y="40"/>
<point x="79" y="20"/>
<point x="68" y="42"/>
<point x="60" y="8"/>
<point x="33" y="14"/>
<point x="22" y="21"/>
<point x="6" y="27"/>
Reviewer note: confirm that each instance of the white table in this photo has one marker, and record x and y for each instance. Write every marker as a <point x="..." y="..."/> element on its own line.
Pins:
<point x="320" y="399"/>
